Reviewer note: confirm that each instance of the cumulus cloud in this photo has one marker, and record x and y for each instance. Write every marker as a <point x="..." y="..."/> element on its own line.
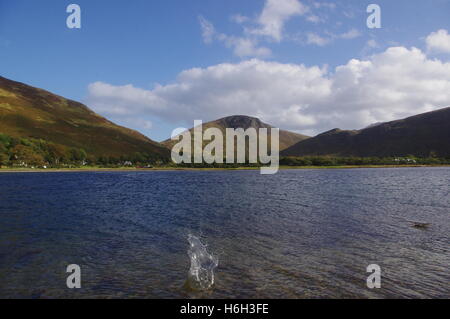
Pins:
<point x="393" y="84"/>
<point x="439" y="41"/>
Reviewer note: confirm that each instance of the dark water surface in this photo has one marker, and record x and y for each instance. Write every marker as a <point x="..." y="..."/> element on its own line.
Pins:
<point x="297" y="234"/>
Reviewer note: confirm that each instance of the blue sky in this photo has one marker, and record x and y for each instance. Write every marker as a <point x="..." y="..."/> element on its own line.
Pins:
<point x="157" y="65"/>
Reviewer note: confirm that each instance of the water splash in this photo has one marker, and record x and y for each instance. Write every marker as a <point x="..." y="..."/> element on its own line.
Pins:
<point x="203" y="264"/>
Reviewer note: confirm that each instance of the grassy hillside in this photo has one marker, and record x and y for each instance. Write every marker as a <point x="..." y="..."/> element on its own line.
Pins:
<point x="32" y="113"/>
<point x="423" y="135"/>
<point x="240" y="121"/>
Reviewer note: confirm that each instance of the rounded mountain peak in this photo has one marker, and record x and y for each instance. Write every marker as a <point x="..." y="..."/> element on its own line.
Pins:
<point x="242" y="121"/>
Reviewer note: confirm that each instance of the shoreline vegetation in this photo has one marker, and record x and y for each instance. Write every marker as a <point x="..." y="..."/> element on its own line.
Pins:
<point x="169" y="168"/>
<point x="37" y="155"/>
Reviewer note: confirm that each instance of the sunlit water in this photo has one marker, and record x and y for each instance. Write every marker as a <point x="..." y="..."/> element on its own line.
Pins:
<point x="297" y="234"/>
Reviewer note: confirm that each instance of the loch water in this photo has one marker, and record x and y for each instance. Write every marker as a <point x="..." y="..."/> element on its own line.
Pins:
<point x="296" y="234"/>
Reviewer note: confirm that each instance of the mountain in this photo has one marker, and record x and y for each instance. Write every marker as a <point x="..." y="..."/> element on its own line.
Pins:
<point x="374" y="124"/>
<point x="421" y="135"/>
<point x="241" y="121"/>
<point x="28" y="112"/>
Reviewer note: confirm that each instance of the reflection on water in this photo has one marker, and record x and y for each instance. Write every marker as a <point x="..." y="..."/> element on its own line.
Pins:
<point x="296" y="234"/>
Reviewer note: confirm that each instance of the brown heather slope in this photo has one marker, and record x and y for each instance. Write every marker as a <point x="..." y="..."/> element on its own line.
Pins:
<point x="423" y="135"/>
<point x="241" y="121"/>
<point x="28" y="112"/>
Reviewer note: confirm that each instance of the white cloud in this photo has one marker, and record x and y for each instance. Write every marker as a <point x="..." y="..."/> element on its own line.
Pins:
<point x="135" y="122"/>
<point x="242" y="46"/>
<point x="239" y="18"/>
<point x="439" y="41"/>
<point x="208" y="30"/>
<point x="372" y="44"/>
<point x="396" y="83"/>
<point x="245" y="47"/>
<point x="351" y="34"/>
<point x="274" y="16"/>
<point x="313" y="18"/>
<point x="314" y="38"/>
<point x="270" y="26"/>
<point x="317" y="11"/>
<point x="328" y="5"/>
<point x="323" y="40"/>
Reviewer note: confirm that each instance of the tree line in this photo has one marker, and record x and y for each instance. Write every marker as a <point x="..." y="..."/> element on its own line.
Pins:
<point x="362" y="161"/>
<point x="324" y="161"/>
<point x="31" y="152"/>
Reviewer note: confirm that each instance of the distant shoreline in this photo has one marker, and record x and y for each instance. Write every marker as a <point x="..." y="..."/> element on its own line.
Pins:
<point x="125" y="169"/>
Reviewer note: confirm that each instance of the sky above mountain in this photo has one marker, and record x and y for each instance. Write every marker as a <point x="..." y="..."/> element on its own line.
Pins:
<point x="306" y="66"/>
